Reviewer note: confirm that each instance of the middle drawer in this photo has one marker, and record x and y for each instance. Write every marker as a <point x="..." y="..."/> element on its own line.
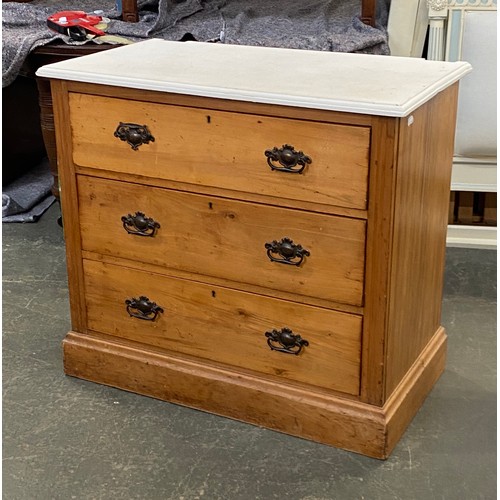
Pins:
<point x="223" y="149"/>
<point x="294" y="251"/>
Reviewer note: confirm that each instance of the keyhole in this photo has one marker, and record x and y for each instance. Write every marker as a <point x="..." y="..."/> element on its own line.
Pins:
<point x="213" y="294"/>
<point x="209" y="119"/>
<point x="210" y="206"/>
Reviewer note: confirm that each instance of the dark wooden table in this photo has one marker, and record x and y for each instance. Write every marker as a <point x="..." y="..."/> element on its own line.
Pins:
<point x="47" y="54"/>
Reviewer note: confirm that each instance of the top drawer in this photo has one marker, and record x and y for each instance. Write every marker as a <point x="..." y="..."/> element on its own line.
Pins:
<point x="224" y="149"/>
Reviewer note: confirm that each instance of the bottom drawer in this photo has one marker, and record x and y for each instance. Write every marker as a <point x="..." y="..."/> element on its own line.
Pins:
<point x="226" y="326"/>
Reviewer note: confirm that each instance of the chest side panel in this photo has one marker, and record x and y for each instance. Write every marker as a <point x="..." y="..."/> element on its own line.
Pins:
<point x="419" y="241"/>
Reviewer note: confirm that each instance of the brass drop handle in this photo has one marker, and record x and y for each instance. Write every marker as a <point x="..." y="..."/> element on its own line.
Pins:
<point x="140" y="225"/>
<point x="143" y="308"/>
<point x="286" y="251"/>
<point x="291" y="161"/>
<point x="133" y="134"/>
<point x="286" y="341"/>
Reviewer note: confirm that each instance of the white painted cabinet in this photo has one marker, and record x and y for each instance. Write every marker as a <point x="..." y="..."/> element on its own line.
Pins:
<point x="465" y="30"/>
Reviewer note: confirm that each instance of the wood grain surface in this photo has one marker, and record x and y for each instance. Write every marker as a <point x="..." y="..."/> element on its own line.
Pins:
<point x="69" y="207"/>
<point x="301" y="412"/>
<point x="420" y="220"/>
<point x="224" y="149"/>
<point x="328" y="419"/>
<point x="227" y="326"/>
<point x="225" y="238"/>
<point x="371" y="209"/>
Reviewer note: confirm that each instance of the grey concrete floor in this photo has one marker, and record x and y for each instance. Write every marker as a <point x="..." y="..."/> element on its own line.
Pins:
<point x="65" y="438"/>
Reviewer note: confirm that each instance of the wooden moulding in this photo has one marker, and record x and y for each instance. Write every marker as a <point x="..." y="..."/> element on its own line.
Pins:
<point x="331" y="420"/>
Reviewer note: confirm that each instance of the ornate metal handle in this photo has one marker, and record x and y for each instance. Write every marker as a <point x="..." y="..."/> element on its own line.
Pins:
<point x="290" y="160"/>
<point x="140" y="225"/>
<point x="143" y="308"/>
<point x="133" y="134"/>
<point x="286" y="341"/>
<point x="289" y="253"/>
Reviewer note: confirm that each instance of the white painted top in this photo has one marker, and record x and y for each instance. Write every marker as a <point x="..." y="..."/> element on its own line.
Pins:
<point x="356" y="83"/>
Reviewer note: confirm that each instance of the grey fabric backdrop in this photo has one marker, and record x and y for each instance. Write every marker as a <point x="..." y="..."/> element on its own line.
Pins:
<point x="331" y="25"/>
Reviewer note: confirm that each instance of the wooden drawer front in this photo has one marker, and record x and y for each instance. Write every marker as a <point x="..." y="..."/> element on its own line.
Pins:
<point x="226" y="325"/>
<point x="223" y="149"/>
<point x="226" y="238"/>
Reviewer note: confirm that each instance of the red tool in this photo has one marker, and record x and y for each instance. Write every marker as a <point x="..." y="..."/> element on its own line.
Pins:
<point x="75" y="23"/>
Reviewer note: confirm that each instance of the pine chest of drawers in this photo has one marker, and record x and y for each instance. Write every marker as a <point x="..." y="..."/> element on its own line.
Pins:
<point x="259" y="233"/>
